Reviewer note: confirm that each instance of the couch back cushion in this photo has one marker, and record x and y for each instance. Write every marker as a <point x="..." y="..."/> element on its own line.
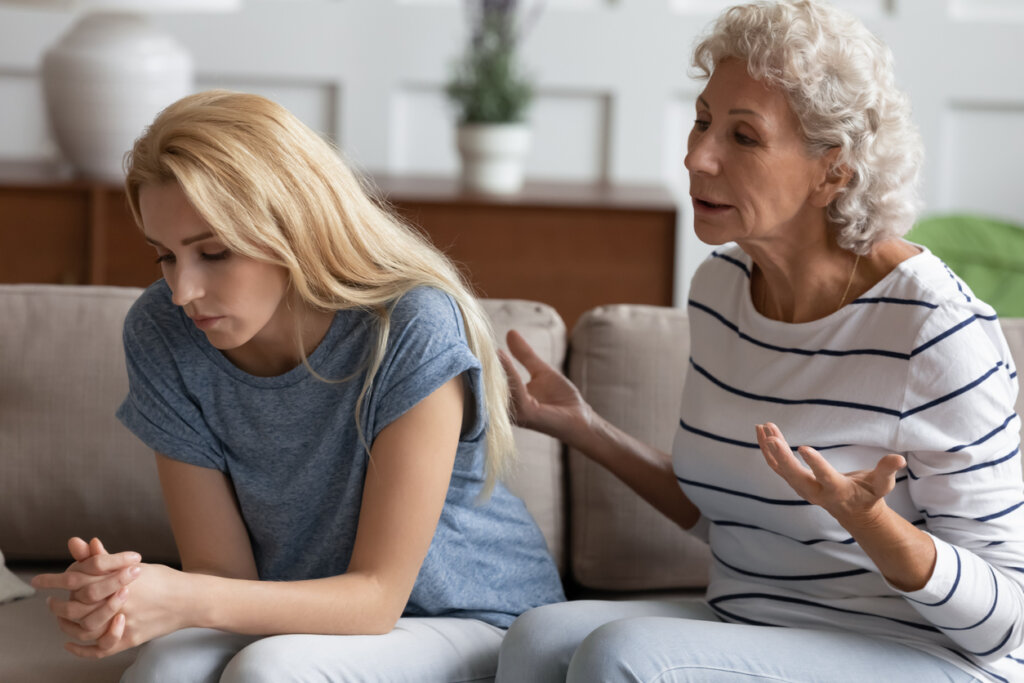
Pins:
<point x="539" y="477"/>
<point x="629" y="362"/>
<point x="69" y="468"/>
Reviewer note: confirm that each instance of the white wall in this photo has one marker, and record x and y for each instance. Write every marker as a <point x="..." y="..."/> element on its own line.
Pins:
<point x="615" y="101"/>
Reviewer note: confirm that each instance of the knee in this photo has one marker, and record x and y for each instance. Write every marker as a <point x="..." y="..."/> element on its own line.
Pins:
<point x="605" y="655"/>
<point x="269" y="660"/>
<point x="181" y="657"/>
<point x="533" y="648"/>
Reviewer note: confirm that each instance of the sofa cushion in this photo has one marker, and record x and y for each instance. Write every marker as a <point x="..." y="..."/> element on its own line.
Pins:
<point x="11" y="587"/>
<point x="629" y="362"/>
<point x="69" y="467"/>
<point x="538" y="477"/>
<point x="32" y="644"/>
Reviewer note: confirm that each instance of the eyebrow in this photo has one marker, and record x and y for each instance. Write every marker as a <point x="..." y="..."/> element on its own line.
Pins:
<point x="185" y="242"/>
<point x="751" y="112"/>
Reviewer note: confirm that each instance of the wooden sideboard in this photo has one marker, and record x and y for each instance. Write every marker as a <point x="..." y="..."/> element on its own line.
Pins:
<point x="572" y="245"/>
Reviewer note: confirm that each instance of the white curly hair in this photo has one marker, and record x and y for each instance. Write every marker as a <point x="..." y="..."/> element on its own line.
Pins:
<point x="839" y="81"/>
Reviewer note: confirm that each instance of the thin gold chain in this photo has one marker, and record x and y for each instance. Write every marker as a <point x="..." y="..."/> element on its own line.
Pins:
<point x="849" y="283"/>
<point x="842" y="300"/>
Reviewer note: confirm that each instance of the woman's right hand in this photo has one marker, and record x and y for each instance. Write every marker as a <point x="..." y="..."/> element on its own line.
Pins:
<point x="97" y="583"/>
<point x="549" y="402"/>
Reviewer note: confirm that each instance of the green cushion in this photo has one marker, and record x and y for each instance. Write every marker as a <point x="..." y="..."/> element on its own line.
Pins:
<point x="988" y="254"/>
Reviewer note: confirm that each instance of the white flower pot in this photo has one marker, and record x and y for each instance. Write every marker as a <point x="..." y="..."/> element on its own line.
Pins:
<point x="104" y="81"/>
<point x="493" y="156"/>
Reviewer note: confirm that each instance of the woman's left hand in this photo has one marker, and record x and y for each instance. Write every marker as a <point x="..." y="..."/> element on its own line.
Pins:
<point x="156" y="604"/>
<point x="853" y="498"/>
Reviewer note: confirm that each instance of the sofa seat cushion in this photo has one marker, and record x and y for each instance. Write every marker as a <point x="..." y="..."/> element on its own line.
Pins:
<point x="33" y="644"/>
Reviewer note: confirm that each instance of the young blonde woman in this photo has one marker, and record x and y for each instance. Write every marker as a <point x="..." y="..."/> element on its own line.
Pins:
<point x="330" y="421"/>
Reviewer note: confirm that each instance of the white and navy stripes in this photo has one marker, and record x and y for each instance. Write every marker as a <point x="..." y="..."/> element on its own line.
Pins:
<point x="917" y="366"/>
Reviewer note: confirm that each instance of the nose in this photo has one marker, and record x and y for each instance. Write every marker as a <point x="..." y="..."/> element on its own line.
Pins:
<point x="186" y="283"/>
<point x="702" y="154"/>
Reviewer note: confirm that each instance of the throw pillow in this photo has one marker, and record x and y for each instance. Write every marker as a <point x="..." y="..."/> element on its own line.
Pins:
<point x="11" y="587"/>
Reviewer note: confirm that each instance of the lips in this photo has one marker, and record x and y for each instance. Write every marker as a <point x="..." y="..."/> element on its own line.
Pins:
<point x="708" y="207"/>
<point x="707" y="203"/>
<point x="205" y="321"/>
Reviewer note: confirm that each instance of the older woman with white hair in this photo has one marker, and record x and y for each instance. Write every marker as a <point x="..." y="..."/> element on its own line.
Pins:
<point x="890" y="544"/>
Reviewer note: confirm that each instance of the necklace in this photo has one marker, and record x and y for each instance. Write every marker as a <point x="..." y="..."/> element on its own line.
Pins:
<point x="842" y="300"/>
<point x="846" y="291"/>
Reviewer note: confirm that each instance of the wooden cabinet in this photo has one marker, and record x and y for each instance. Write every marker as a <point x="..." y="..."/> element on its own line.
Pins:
<point x="574" y="246"/>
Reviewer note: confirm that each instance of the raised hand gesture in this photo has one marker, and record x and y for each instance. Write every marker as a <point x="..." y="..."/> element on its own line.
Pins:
<point x="549" y="402"/>
<point x="853" y="498"/>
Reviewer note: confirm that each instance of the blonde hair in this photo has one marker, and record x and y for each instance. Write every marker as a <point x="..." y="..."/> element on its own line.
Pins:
<point x="273" y="190"/>
<point x="839" y="81"/>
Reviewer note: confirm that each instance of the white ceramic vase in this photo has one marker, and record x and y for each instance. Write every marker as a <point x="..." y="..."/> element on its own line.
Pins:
<point x="104" y="82"/>
<point x="493" y="156"/>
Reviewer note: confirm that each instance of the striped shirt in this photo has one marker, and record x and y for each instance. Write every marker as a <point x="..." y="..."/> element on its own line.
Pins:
<point x="916" y="366"/>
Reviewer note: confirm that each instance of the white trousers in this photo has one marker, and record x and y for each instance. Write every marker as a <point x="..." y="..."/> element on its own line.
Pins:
<point x="684" y="641"/>
<point x="420" y="650"/>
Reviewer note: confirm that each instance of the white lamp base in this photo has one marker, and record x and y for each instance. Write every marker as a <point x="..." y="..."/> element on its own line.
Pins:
<point x="104" y="81"/>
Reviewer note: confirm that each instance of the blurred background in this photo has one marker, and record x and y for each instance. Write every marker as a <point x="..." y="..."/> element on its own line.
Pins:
<point x="614" y="100"/>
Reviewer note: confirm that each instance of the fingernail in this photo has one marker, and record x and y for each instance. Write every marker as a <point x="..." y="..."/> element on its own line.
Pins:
<point x="134" y="557"/>
<point x="135" y="571"/>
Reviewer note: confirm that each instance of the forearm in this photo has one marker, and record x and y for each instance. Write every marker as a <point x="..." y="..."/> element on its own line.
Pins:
<point x="646" y="470"/>
<point x="903" y="554"/>
<point x="339" y="605"/>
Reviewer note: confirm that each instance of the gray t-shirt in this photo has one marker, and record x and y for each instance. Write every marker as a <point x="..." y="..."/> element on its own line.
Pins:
<point x="292" y="451"/>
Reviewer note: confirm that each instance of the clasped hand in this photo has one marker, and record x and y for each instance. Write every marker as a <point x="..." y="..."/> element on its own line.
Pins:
<point x="853" y="498"/>
<point x="111" y="603"/>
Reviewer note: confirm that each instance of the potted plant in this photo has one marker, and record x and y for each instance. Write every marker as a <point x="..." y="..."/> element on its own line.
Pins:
<point x="492" y="95"/>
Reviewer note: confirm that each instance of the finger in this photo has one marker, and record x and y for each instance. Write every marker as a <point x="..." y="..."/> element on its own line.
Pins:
<point x="772" y="430"/>
<point x="78" y="548"/>
<point x="113" y="635"/>
<point x="101" y="617"/>
<point x="884" y="475"/>
<point x="515" y="382"/>
<point x="766" y="448"/>
<point x="74" y="630"/>
<point x="89" y="651"/>
<point x="88" y="588"/>
<point x="98" y="565"/>
<point x="800" y="478"/>
<point x="107" y="586"/>
<point x="524" y="353"/>
<point x="96" y="547"/>
<point x="822" y="469"/>
<point x="88" y="615"/>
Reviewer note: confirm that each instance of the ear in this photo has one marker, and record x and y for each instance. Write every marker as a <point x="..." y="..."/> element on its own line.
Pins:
<point x="833" y="179"/>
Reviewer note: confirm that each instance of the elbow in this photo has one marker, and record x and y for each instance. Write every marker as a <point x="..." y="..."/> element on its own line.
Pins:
<point x="384" y="608"/>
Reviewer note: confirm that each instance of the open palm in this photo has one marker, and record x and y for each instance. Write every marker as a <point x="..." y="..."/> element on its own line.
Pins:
<point x="846" y="496"/>
<point x="549" y="402"/>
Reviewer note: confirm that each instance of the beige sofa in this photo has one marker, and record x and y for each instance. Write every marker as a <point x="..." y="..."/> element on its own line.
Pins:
<point x="67" y="467"/>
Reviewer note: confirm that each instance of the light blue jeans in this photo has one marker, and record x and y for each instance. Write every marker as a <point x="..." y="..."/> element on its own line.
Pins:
<point x="427" y="650"/>
<point x="672" y="641"/>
